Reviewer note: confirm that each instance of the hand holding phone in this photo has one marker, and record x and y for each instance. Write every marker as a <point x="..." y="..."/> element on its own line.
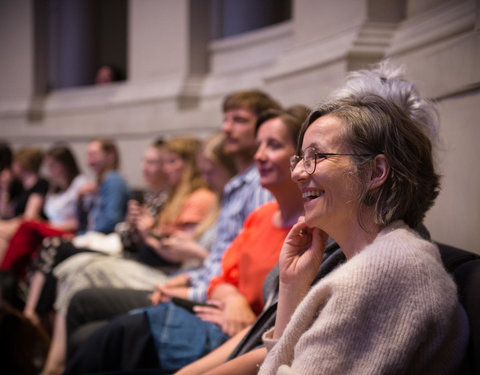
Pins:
<point x="138" y="195"/>
<point x="189" y="304"/>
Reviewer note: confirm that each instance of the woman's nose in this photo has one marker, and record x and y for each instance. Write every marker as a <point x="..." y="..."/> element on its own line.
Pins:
<point x="260" y="153"/>
<point x="298" y="173"/>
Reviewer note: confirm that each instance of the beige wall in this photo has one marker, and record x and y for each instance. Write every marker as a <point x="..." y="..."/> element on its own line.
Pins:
<point x="16" y="63"/>
<point x="172" y="91"/>
<point x="455" y="218"/>
<point x="153" y="26"/>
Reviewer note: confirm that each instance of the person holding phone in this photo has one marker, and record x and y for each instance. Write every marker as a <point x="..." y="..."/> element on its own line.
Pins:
<point x="148" y="200"/>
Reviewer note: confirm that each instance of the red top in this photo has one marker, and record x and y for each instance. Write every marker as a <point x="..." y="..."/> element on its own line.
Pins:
<point x="252" y="255"/>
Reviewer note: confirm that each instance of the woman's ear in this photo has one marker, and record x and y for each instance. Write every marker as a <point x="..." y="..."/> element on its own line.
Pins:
<point x="380" y="171"/>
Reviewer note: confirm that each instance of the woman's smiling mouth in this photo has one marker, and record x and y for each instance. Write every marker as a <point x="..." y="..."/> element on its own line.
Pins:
<point x="312" y="194"/>
<point x="264" y="171"/>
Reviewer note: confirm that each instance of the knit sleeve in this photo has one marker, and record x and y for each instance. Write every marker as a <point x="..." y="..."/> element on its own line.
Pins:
<point x="268" y="339"/>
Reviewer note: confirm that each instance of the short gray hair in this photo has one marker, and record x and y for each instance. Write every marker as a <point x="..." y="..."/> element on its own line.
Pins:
<point x="388" y="81"/>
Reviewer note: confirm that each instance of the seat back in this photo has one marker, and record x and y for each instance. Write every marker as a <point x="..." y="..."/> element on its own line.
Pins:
<point x="23" y="345"/>
<point x="467" y="277"/>
<point x="465" y="268"/>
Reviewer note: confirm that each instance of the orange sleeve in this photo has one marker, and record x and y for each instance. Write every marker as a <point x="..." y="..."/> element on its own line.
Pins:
<point x="196" y="207"/>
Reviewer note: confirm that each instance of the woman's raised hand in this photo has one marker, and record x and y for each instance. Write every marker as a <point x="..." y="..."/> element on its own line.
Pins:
<point x="300" y="258"/>
<point x="301" y="254"/>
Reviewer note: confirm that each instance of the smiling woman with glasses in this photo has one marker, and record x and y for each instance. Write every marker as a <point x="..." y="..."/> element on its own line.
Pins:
<point x="391" y="308"/>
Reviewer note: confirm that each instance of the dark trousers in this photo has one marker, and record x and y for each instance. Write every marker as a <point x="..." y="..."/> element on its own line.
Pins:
<point x="124" y="344"/>
<point x="92" y="308"/>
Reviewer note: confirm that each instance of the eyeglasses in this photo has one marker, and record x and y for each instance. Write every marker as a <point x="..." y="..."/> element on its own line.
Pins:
<point x="311" y="157"/>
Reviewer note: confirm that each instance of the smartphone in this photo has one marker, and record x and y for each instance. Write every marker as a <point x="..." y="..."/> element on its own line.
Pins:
<point x="138" y="196"/>
<point x="189" y="304"/>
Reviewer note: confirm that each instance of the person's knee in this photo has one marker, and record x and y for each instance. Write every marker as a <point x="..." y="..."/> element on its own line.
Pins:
<point x="78" y="309"/>
<point x="122" y="344"/>
<point x="77" y="303"/>
<point x="81" y="334"/>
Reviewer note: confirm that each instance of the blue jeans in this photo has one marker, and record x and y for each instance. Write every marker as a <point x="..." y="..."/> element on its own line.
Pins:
<point x="181" y="337"/>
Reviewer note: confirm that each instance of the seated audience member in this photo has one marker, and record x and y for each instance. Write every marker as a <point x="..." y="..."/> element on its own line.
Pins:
<point x="187" y="204"/>
<point x="10" y="187"/>
<point x="107" y="74"/>
<point x="243" y="353"/>
<point x="391" y="307"/>
<point x="241" y="194"/>
<point x="29" y="203"/>
<point x="147" y="202"/>
<point x="60" y="209"/>
<point x="105" y="201"/>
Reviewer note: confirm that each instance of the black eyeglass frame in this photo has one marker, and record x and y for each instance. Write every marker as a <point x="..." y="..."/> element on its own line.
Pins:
<point x="295" y="159"/>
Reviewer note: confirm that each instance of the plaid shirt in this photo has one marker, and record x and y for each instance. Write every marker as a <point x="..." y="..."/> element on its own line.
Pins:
<point x="242" y="195"/>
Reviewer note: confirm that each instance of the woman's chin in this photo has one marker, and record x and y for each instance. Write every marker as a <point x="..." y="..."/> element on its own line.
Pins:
<point x="315" y="221"/>
<point x="309" y="220"/>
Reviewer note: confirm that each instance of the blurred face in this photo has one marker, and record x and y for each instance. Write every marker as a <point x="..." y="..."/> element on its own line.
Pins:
<point x="97" y="159"/>
<point x="6" y="177"/>
<point x="152" y="167"/>
<point x="214" y="174"/>
<point x="239" y="129"/>
<point x="104" y="75"/>
<point x="275" y="147"/>
<point x="173" y="166"/>
<point x="330" y="194"/>
<point x="54" y="169"/>
<point x="16" y="168"/>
